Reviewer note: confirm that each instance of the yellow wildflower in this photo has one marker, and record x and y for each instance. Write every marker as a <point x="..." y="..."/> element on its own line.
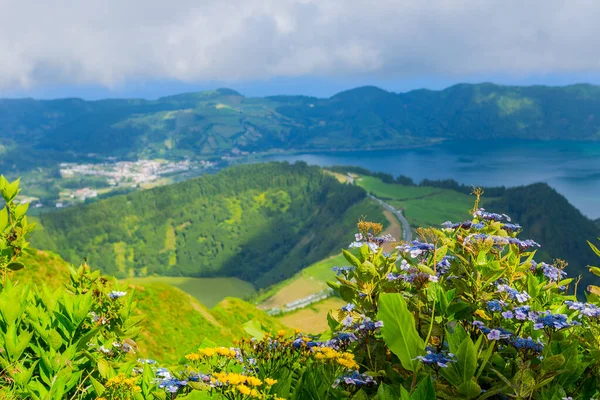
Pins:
<point x="244" y="390"/>
<point x="270" y="382"/>
<point x="253" y="381"/>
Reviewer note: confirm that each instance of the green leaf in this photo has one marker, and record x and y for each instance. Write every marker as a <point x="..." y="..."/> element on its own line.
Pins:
<point x="424" y="390"/>
<point x="553" y="363"/>
<point x="404" y="395"/>
<point x="254" y="328"/>
<point x="98" y="387"/>
<point x="15" y="266"/>
<point x="351" y="259"/>
<point x="470" y="389"/>
<point x="486" y="358"/>
<point x="103" y="368"/>
<point x="399" y="331"/>
<point x="3" y="219"/>
<point x="594" y="248"/>
<point x="466" y="359"/>
<point x="595" y="271"/>
<point x="386" y="392"/>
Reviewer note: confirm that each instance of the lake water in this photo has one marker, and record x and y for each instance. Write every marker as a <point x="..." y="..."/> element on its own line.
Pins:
<point x="572" y="168"/>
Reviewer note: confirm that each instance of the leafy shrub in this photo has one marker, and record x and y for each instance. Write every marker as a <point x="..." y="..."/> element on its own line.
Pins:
<point x="62" y="344"/>
<point x="466" y="312"/>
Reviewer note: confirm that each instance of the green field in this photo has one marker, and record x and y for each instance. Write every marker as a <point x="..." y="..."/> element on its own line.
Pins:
<point x="422" y="206"/>
<point x="208" y="291"/>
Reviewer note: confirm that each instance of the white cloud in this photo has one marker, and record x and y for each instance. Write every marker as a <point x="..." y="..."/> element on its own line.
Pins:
<point x="111" y="41"/>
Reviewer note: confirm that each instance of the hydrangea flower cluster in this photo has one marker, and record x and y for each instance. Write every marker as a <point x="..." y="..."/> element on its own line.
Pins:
<point x="587" y="309"/>
<point x="416" y="248"/>
<point x="514" y="294"/>
<point x="463" y="225"/>
<point x="551" y="272"/>
<point x="343" y="270"/>
<point x="443" y="266"/>
<point x="501" y="334"/>
<point x="166" y="381"/>
<point x="437" y="358"/>
<point x="552" y="321"/>
<point x="501" y="241"/>
<point x="115" y="294"/>
<point x="374" y="242"/>
<point x="482" y="214"/>
<point x="495" y="305"/>
<point x="355" y="379"/>
<point x="521" y="313"/>
<point x="511" y="228"/>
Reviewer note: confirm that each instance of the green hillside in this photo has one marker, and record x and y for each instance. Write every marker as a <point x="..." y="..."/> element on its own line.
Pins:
<point x="260" y="223"/>
<point x="174" y="322"/>
<point x="215" y="122"/>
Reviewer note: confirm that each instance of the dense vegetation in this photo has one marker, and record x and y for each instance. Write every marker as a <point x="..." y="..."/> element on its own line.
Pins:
<point x="464" y="312"/>
<point x="546" y="216"/>
<point x="215" y="122"/>
<point x="159" y="304"/>
<point x="261" y="223"/>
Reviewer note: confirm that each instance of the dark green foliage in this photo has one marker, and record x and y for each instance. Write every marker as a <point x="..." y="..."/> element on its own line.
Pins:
<point x="261" y="223"/>
<point x="548" y="218"/>
<point x="215" y="122"/>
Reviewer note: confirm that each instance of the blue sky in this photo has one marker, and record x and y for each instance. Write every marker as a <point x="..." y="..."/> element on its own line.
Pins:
<point x="151" y="48"/>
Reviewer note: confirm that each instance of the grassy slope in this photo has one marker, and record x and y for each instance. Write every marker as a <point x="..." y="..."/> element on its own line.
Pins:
<point x="176" y="322"/>
<point x="208" y="291"/>
<point x="422" y="206"/>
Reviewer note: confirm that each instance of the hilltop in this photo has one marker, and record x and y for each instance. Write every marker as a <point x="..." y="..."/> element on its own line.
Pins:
<point x="37" y="133"/>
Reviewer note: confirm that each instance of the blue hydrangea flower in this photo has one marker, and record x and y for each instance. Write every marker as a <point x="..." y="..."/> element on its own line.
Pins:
<point x="551" y="272"/>
<point x="495" y="305"/>
<point x="514" y="294"/>
<point x="437" y="359"/>
<point x="115" y="294"/>
<point x="482" y="214"/>
<point x="512" y="227"/>
<point x="355" y="379"/>
<point x="347" y="321"/>
<point x="520" y="343"/>
<point x="343" y="270"/>
<point x="416" y="248"/>
<point x="555" y="321"/>
<point x="348" y="307"/>
<point x="498" y="333"/>
<point x="587" y="309"/>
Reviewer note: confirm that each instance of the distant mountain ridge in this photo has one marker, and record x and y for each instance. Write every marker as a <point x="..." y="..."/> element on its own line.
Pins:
<point x="212" y="123"/>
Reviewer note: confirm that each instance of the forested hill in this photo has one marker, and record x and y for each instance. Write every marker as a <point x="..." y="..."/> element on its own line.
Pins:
<point x="215" y="122"/>
<point x="548" y="218"/>
<point x="261" y="223"/>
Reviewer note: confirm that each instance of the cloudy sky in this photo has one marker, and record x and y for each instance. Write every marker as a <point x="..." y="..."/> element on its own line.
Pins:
<point x="149" y="48"/>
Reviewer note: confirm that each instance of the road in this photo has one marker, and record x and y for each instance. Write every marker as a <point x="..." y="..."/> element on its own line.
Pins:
<point x="406" y="232"/>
